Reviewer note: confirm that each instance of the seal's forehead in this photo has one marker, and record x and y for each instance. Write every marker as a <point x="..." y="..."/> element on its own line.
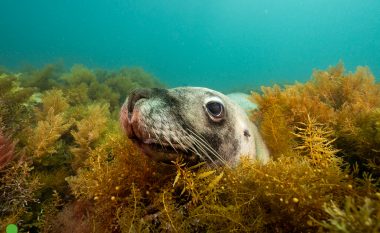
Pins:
<point x="195" y="92"/>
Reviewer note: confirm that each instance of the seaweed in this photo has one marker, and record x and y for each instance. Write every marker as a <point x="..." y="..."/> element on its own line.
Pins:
<point x="108" y="177"/>
<point x="6" y="151"/>
<point x="346" y="103"/>
<point x="102" y="93"/>
<point x="74" y="217"/>
<point x="353" y="217"/>
<point x="89" y="130"/>
<point x="316" y="142"/>
<point x="52" y="100"/>
<point x="78" y="75"/>
<point x="15" y="112"/>
<point x="84" y="84"/>
<point x="72" y="169"/>
<point x="43" y="79"/>
<point x="276" y="197"/>
<point x="275" y="125"/>
<point x="127" y="79"/>
<point x="18" y="189"/>
<point x="77" y="95"/>
<point x="51" y="125"/>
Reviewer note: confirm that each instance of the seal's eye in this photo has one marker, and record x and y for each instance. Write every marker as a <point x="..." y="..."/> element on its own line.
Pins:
<point x="215" y="110"/>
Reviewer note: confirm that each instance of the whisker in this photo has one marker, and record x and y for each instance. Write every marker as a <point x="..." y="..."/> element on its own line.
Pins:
<point x="190" y="145"/>
<point x="188" y="140"/>
<point x="195" y="143"/>
<point x="157" y="138"/>
<point x="208" y="147"/>
<point x="201" y="147"/>
<point x="168" y="141"/>
<point x="185" y="140"/>
<point x="195" y="151"/>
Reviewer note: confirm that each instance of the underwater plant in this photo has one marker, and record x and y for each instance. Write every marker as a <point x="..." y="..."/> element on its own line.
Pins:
<point x="18" y="193"/>
<point x="43" y="79"/>
<point x="346" y="103"/>
<point x="103" y="85"/>
<point x="89" y="130"/>
<point x="51" y="124"/>
<point x="316" y="142"/>
<point x="14" y="110"/>
<point x="108" y="175"/>
<point x="73" y="170"/>
<point x="6" y="151"/>
<point x="79" y="74"/>
<point x="353" y="217"/>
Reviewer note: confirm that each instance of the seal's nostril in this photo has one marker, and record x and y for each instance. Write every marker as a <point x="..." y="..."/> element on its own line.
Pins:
<point x="135" y="95"/>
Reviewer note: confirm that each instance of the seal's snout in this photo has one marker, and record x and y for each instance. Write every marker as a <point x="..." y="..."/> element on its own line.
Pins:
<point x="129" y="115"/>
<point x="136" y="95"/>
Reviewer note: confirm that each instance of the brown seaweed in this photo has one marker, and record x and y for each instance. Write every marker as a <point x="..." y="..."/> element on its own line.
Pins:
<point x="79" y="173"/>
<point x="7" y="148"/>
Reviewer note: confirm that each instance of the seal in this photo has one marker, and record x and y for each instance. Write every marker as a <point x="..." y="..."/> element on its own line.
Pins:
<point x="197" y="123"/>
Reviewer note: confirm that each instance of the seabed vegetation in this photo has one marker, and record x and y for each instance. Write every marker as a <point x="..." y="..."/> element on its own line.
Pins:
<point x="65" y="165"/>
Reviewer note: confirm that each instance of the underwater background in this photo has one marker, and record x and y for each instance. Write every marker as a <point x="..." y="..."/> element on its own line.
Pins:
<point x="226" y="45"/>
<point x="66" y="68"/>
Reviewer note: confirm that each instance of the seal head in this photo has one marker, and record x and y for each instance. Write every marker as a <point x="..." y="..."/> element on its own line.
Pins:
<point x="198" y="123"/>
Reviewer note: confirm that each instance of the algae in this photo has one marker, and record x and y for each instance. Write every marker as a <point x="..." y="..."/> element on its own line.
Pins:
<point x="65" y="165"/>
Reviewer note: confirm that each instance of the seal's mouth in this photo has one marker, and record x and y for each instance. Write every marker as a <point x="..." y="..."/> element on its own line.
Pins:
<point x="158" y="150"/>
<point x="161" y="151"/>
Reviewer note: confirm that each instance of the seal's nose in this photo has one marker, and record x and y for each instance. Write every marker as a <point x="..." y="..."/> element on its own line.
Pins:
<point x="129" y="115"/>
<point x="127" y="110"/>
<point x="135" y="95"/>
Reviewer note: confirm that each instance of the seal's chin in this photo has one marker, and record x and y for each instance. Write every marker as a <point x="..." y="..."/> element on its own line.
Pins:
<point x="159" y="152"/>
<point x="162" y="152"/>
